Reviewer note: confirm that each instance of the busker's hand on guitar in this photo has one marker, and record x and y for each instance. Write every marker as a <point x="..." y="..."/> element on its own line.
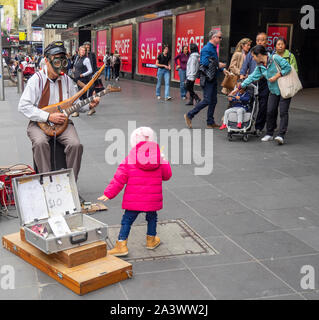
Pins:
<point x="57" y="118"/>
<point x="103" y="198"/>
<point x="94" y="103"/>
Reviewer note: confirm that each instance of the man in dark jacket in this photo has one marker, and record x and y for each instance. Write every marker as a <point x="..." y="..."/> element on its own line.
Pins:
<point x="249" y="67"/>
<point x="210" y="87"/>
<point x="91" y="55"/>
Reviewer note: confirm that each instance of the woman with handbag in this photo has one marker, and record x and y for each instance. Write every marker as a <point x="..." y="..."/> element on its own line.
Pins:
<point x="283" y="85"/>
<point x="181" y="63"/>
<point x="237" y="60"/>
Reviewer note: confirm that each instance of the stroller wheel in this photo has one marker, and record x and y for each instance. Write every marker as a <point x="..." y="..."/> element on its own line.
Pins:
<point x="245" y="137"/>
<point x="230" y="137"/>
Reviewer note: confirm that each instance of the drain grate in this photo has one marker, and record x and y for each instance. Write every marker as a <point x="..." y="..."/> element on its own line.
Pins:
<point x="177" y="239"/>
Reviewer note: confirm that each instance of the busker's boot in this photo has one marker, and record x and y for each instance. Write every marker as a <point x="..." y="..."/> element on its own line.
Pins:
<point x="120" y="249"/>
<point x="152" y="242"/>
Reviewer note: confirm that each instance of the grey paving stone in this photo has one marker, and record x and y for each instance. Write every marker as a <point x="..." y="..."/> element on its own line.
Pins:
<point x="274" y="244"/>
<point x="211" y="207"/>
<point x="280" y="201"/>
<point x="241" y="223"/>
<point x="293" y="297"/>
<point x="228" y="253"/>
<point x="25" y="293"/>
<point x="310" y="236"/>
<point x="169" y="264"/>
<point x="193" y="193"/>
<point x="176" y="285"/>
<point x="312" y="295"/>
<point x="202" y="226"/>
<point x="290" y="269"/>
<point x="242" y="281"/>
<point x="292" y="218"/>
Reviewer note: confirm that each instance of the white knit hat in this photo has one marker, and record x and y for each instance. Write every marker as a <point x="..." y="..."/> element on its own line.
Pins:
<point x="141" y="134"/>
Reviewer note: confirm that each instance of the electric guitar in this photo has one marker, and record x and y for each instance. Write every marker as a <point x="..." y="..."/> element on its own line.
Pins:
<point x="52" y="129"/>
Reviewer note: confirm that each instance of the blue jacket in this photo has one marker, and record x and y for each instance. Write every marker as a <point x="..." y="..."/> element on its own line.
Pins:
<point x="249" y="65"/>
<point x="268" y="72"/>
<point x="209" y="50"/>
<point x="243" y="102"/>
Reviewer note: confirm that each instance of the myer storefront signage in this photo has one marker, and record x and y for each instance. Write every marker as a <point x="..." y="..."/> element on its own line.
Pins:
<point x="56" y="26"/>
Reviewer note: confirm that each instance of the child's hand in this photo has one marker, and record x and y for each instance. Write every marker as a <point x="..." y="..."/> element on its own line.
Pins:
<point x="238" y="97"/>
<point x="230" y="98"/>
<point x="103" y="198"/>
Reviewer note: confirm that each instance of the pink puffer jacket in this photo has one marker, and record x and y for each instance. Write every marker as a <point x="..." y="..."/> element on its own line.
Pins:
<point x="142" y="172"/>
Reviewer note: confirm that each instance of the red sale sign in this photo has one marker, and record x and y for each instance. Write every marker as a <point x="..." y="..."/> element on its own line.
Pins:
<point x="274" y="32"/>
<point x="149" y="46"/>
<point x="189" y="29"/>
<point x="100" y="46"/>
<point x="122" y="43"/>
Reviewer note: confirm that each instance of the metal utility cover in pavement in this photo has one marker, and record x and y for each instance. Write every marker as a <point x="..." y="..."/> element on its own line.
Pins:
<point x="177" y="239"/>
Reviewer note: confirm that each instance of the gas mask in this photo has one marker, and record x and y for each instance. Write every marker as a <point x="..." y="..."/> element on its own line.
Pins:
<point x="59" y="64"/>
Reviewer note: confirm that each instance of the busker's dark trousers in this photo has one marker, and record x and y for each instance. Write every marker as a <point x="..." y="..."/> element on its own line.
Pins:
<point x="263" y="94"/>
<point x="275" y="102"/>
<point x="41" y="148"/>
<point x="209" y="99"/>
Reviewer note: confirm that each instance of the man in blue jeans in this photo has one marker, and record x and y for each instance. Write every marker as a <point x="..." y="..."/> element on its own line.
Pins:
<point x="210" y="88"/>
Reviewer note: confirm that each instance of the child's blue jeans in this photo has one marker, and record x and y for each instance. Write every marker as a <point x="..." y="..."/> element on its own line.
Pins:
<point x="130" y="216"/>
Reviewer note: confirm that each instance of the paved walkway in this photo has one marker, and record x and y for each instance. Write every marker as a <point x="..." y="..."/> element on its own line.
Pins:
<point x="259" y="208"/>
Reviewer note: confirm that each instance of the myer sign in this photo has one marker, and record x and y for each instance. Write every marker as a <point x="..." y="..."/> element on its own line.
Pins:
<point x="56" y="26"/>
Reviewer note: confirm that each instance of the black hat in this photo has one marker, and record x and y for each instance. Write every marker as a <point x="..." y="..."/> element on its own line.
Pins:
<point x="54" y="47"/>
<point x="87" y="42"/>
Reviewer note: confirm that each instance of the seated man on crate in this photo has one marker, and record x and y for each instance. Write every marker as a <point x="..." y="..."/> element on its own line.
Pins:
<point x="49" y="86"/>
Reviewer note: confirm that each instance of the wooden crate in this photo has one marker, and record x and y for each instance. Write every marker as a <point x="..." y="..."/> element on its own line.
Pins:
<point x="77" y="256"/>
<point x="81" y="279"/>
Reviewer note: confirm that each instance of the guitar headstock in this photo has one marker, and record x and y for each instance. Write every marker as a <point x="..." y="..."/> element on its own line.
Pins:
<point x="111" y="88"/>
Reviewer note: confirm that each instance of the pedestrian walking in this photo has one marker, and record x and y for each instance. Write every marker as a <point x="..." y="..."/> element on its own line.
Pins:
<point x="117" y="65"/>
<point x="280" y="49"/>
<point x="191" y="72"/>
<point x="237" y="60"/>
<point x="210" y="66"/>
<point x="107" y="62"/>
<point x="142" y="172"/>
<point x="267" y="66"/>
<point x="248" y="68"/>
<point x="82" y="71"/>
<point x="181" y="64"/>
<point x="164" y="70"/>
<point x="112" y="65"/>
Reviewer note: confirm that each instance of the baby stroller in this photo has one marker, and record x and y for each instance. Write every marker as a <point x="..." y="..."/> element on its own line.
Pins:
<point x="248" y="126"/>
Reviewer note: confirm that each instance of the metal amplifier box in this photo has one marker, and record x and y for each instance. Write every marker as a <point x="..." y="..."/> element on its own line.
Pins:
<point x="42" y="198"/>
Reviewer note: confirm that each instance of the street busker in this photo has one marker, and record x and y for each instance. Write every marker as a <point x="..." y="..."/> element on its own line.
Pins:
<point x="239" y="103"/>
<point x="142" y="171"/>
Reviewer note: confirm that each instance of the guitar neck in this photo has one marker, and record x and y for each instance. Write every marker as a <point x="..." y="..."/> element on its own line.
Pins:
<point x="79" y="105"/>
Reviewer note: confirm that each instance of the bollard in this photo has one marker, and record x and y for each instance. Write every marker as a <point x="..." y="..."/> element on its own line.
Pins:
<point x="20" y="82"/>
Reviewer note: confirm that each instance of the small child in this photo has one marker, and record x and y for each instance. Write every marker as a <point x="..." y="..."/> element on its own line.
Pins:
<point x="239" y="104"/>
<point x="142" y="171"/>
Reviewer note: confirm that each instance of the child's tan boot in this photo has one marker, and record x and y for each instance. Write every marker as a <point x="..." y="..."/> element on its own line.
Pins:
<point x="120" y="249"/>
<point x="152" y="242"/>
